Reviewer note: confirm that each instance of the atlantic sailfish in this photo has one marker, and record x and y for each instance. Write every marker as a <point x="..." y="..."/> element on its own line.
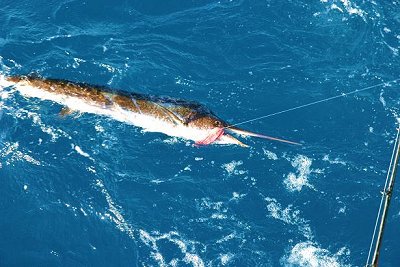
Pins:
<point x="173" y="117"/>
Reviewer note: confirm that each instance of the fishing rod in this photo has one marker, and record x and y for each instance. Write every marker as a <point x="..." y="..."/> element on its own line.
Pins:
<point x="385" y="203"/>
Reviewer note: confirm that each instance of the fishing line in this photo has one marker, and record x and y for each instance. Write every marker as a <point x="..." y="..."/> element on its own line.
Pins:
<point x="314" y="103"/>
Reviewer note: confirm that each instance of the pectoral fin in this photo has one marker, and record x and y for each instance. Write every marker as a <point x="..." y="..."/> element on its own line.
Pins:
<point x="174" y="118"/>
<point x="65" y="111"/>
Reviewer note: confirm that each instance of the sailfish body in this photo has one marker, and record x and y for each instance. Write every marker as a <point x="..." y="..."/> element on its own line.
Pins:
<point x="179" y="118"/>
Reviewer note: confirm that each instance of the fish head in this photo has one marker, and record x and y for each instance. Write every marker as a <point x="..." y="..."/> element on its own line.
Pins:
<point x="214" y="129"/>
<point x="206" y="122"/>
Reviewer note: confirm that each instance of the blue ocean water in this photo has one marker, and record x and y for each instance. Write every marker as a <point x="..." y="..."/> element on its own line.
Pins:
<point x="89" y="191"/>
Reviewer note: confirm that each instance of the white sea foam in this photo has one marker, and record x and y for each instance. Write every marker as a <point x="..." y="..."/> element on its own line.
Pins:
<point x="226" y="238"/>
<point x="226" y="258"/>
<point x="11" y="153"/>
<point x="77" y="62"/>
<point x="207" y="204"/>
<point x="217" y="210"/>
<point x="54" y="253"/>
<point x="237" y="196"/>
<point x="36" y="120"/>
<point x="346" y="6"/>
<point x="58" y="36"/>
<point x="99" y="128"/>
<point x="337" y="160"/>
<point x="108" y="67"/>
<point x="187" y="248"/>
<point x="309" y="254"/>
<point x="231" y="167"/>
<point x="183" y="81"/>
<point x="382" y="100"/>
<point x="4" y="82"/>
<point x="288" y="215"/>
<point x="296" y="181"/>
<point x="184" y="169"/>
<point x="80" y="151"/>
<point x="193" y="259"/>
<point x="115" y="214"/>
<point x="270" y="155"/>
<point x="171" y="140"/>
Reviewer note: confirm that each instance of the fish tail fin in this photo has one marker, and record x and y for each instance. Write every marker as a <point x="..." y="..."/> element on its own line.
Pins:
<point x="247" y="133"/>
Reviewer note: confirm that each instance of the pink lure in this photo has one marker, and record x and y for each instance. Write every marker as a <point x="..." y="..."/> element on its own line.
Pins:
<point x="214" y="135"/>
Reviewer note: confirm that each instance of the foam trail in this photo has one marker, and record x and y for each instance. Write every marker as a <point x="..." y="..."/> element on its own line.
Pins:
<point x="4" y="83"/>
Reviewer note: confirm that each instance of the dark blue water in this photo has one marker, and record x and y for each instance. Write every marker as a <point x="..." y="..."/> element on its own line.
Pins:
<point x="90" y="191"/>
